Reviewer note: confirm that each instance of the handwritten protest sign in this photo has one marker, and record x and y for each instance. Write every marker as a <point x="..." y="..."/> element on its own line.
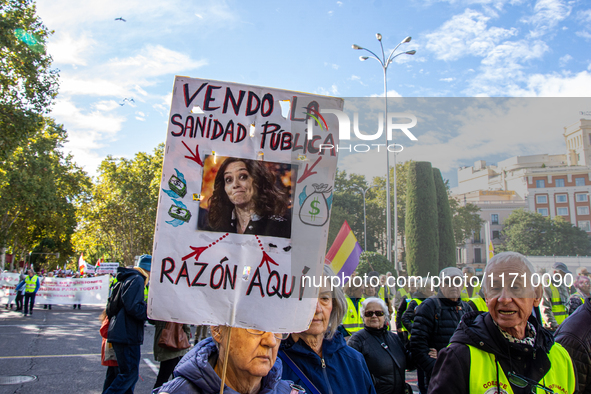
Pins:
<point x="107" y="268"/>
<point x="65" y="291"/>
<point x="244" y="206"/>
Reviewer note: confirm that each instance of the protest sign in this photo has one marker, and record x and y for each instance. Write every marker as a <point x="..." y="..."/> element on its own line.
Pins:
<point x="107" y="268"/>
<point x="65" y="291"/>
<point x="244" y="204"/>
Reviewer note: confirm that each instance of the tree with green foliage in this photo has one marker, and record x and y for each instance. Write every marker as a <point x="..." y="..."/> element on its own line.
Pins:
<point x="37" y="199"/>
<point x="532" y="234"/>
<point x="118" y="214"/>
<point x="28" y="84"/>
<point x="447" y="244"/>
<point x="422" y="240"/>
<point x="372" y="261"/>
<point x="466" y="220"/>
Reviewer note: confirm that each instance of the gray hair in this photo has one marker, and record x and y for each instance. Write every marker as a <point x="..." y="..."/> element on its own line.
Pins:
<point x="503" y="258"/>
<point x="339" y="305"/>
<point x="378" y="301"/>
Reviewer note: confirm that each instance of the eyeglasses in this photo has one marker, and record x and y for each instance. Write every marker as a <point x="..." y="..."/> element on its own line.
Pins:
<point x="522" y="382"/>
<point x="371" y="313"/>
<point x="278" y="335"/>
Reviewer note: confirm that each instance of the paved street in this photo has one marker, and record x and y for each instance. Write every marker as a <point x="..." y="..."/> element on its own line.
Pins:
<point x="61" y="348"/>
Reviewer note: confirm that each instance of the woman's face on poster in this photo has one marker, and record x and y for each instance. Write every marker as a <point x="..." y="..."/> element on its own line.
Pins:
<point x="238" y="184"/>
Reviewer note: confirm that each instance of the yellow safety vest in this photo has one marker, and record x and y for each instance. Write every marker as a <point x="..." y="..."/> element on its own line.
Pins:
<point x="353" y="321"/>
<point x="480" y="303"/>
<point x="483" y="373"/>
<point x="382" y="293"/>
<point x="558" y="308"/>
<point x="31" y="283"/>
<point x="112" y="281"/>
<point x="146" y="293"/>
<point x="466" y="297"/>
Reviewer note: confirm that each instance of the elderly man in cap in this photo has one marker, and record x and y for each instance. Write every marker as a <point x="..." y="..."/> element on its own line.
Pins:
<point x="504" y="350"/>
<point x="436" y="320"/>
<point x="127" y="311"/>
<point x="554" y="303"/>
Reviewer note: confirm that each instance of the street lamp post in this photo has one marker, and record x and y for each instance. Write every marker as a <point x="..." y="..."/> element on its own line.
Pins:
<point x="385" y="63"/>
<point x="363" y="191"/>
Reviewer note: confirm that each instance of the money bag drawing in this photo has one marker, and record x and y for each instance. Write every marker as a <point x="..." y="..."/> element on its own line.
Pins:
<point x="315" y="207"/>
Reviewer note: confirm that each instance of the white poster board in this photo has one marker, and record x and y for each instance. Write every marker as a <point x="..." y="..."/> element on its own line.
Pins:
<point x="203" y="271"/>
<point x="107" y="268"/>
<point x="64" y="291"/>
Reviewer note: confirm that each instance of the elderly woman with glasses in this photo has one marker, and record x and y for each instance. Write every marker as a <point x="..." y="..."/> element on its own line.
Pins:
<point x="319" y="359"/>
<point x="384" y="353"/>
<point x="252" y="365"/>
<point x="504" y="350"/>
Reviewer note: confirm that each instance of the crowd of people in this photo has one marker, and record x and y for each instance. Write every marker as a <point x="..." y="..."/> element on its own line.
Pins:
<point x="491" y="338"/>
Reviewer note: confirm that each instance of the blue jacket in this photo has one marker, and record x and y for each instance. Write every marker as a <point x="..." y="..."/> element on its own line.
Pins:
<point x="344" y="369"/>
<point x="195" y="374"/>
<point x="127" y="326"/>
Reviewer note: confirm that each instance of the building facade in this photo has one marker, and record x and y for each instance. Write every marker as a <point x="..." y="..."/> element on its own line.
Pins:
<point x="551" y="185"/>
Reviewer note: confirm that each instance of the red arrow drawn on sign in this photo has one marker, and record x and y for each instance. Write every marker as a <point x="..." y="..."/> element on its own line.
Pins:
<point x="308" y="171"/>
<point x="267" y="259"/>
<point x="194" y="156"/>
<point x="196" y="252"/>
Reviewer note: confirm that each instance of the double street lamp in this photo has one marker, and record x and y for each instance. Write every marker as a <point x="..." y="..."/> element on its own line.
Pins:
<point x="385" y="62"/>
<point x="363" y="191"/>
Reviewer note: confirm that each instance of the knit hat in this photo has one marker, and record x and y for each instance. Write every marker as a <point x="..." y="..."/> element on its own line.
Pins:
<point x="145" y="262"/>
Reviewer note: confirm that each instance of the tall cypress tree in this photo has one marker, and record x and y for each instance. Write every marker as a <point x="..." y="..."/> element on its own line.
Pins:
<point x="422" y="240"/>
<point x="447" y="245"/>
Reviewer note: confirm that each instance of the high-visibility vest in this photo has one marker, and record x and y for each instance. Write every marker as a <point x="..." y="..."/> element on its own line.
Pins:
<point x="112" y="281"/>
<point x="480" y="303"/>
<point x="418" y="301"/>
<point x="31" y="283"/>
<point x="383" y="293"/>
<point x="146" y="293"/>
<point x="353" y="321"/>
<point x="466" y="297"/>
<point x="483" y="372"/>
<point x="558" y="308"/>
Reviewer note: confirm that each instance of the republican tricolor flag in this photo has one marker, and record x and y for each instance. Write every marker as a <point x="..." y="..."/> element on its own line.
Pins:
<point x="343" y="255"/>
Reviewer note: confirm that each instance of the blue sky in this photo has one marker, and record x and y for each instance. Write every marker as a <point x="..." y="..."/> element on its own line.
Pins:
<point x="464" y="49"/>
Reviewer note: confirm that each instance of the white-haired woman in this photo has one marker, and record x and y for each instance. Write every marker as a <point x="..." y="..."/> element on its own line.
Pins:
<point x="319" y="359"/>
<point x="384" y="353"/>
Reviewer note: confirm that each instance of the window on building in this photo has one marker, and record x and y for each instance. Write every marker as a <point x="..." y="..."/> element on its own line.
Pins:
<point x="542" y="199"/>
<point x="562" y="211"/>
<point x="540" y="183"/>
<point x="559" y="182"/>
<point x="581" y="197"/>
<point x="543" y="211"/>
<point x="477" y="237"/>
<point x="496" y="234"/>
<point x="585" y="225"/>
<point x="561" y="198"/>
<point x="579" y="181"/>
<point x="477" y="255"/>
<point x="582" y="210"/>
<point x="494" y="218"/>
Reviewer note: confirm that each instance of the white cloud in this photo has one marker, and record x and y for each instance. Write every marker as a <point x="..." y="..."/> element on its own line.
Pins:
<point x="547" y="14"/>
<point x="64" y="49"/>
<point x="466" y="34"/>
<point x="339" y="3"/>
<point x="448" y="79"/>
<point x="391" y="93"/>
<point x="564" y="60"/>
<point x="584" y="16"/>
<point x="584" y="34"/>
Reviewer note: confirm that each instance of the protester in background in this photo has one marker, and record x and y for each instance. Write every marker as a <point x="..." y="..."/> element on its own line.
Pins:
<point x="436" y="320"/>
<point x="385" y="355"/>
<point x="319" y="357"/>
<point x="32" y="285"/>
<point x="127" y="314"/>
<point x="20" y="293"/>
<point x="575" y="335"/>
<point x="406" y="297"/>
<point x="583" y="271"/>
<point x="112" y="366"/>
<point x="353" y="321"/>
<point x="168" y="358"/>
<point x="424" y="291"/>
<point x="504" y="350"/>
<point x="76" y="275"/>
<point x="553" y="308"/>
<point x="468" y="291"/>
<point x="252" y="365"/>
<point x="583" y="286"/>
